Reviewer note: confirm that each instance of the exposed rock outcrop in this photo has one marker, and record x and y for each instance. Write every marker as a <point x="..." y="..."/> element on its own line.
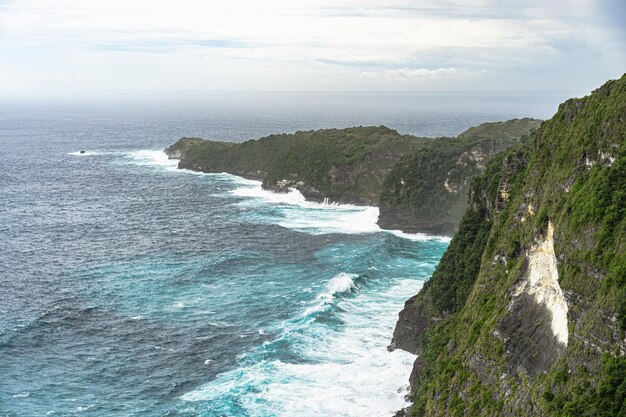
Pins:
<point x="414" y="319"/>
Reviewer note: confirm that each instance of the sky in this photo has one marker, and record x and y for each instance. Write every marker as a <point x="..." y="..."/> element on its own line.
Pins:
<point x="497" y="46"/>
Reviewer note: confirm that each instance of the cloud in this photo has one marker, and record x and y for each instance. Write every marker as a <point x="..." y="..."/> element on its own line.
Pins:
<point x="377" y="40"/>
<point x="366" y="31"/>
<point x="420" y="73"/>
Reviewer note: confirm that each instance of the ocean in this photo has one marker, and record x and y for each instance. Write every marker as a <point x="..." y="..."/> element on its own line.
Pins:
<point x="131" y="288"/>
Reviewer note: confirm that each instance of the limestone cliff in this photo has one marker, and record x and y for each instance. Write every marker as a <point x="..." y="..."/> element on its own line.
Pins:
<point x="419" y="183"/>
<point x="526" y="312"/>
<point x="341" y="165"/>
<point x="426" y="191"/>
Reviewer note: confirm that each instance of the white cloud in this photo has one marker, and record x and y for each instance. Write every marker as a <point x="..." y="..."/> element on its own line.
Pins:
<point x="420" y="73"/>
<point x="378" y="39"/>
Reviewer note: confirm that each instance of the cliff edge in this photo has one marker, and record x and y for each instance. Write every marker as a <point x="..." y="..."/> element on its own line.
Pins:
<point x="526" y="311"/>
<point x="419" y="184"/>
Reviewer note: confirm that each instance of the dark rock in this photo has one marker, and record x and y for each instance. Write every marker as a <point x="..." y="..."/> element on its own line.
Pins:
<point x="531" y="346"/>
<point x="413" y="321"/>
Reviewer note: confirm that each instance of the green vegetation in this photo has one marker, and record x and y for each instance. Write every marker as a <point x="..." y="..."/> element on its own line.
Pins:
<point x="454" y="276"/>
<point x="427" y="190"/>
<point x="572" y="174"/>
<point x="606" y="399"/>
<point x="249" y="159"/>
<point x="510" y="130"/>
<point x="405" y="175"/>
<point x="344" y="165"/>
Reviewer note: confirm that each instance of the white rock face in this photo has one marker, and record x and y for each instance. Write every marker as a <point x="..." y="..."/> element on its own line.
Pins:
<point x="542" y="283"/>
<point x="447" y="186"/>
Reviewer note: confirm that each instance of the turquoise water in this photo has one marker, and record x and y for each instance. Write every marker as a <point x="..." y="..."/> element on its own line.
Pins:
<point x="131" y="288"/>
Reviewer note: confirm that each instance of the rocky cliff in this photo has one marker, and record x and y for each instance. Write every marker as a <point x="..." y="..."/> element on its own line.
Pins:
<point x="526" y="312"/>
<point x="426" y="191"/>
<point x="341" y="165"/>
<point x="419" y="183"/>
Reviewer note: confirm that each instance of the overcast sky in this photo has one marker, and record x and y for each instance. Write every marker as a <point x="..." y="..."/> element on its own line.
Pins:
<point x="74" y="46"/>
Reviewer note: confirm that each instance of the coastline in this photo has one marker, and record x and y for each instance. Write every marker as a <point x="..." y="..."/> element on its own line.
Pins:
<point x="410" y="235"/>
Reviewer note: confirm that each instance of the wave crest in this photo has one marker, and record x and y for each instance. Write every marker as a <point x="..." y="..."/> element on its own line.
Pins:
<point x="341" y="282"/>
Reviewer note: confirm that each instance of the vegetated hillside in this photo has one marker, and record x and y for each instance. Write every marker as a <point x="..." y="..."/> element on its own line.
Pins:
<point x="526" y="312"/>
<point x="426" y="191"/>
<point x="509" y="130"/>
<point x="250" y="159"/>
<point x="343" y="165"/>
<point x="419" y="183"/>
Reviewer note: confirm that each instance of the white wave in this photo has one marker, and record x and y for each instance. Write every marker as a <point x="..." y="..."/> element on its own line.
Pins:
<point x="341" y="282"/>
<point x="419" y="237"/>
<point x="154" y="158"/>
<point x="253" y="189"/>
<point x="296" y="213"/>
<point x="336" y="219"/>
<point x="338" y="284"/>
<point x="236" y="179"/>
<point x="344" y="371"/>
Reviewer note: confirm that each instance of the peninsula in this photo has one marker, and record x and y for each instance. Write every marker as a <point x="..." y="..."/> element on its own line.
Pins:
<point x="420" y="184"/>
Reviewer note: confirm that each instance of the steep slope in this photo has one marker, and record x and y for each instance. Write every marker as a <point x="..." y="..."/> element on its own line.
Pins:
<point x="343" y="165"/>
<point x="419" y="183"/>
<point x="526" y="312"/>
<point x="426" y="191"/>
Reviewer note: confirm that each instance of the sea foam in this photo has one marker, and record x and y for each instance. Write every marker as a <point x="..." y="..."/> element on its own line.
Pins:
<point x="341" y="370"/>
<point x="152" y="158"/>
<point x="293" y="210"/>
<point x="296" y="213"/>
<point x="341" y="282"/>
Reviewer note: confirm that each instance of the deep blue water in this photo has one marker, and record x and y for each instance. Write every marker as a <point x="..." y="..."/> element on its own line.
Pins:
<point x="129" y="288"/>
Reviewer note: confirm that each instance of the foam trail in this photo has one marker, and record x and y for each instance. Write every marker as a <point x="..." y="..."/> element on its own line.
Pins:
<point x="295" y="212"/>
<point x="254" y="190"/>
<point x="152" y="158"/>
<point x="418" y="237"/>
<point x="340" y="283"/>
<point x="343" y="371"/>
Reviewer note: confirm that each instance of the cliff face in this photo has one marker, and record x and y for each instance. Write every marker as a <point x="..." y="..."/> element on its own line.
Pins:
<point x="341" y="165"/>
<point x="526" y="312"/>
<point x="426" y="191"/>
<point x="419" y="183"/>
